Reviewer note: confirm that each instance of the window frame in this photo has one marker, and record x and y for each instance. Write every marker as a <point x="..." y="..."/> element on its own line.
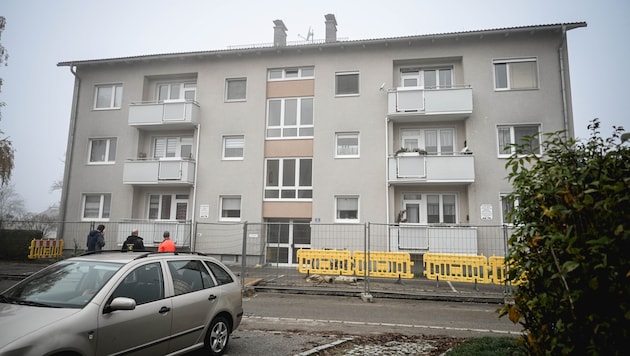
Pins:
<point x="115" y="102"/>
<point x="241" y="146"/>
<point x="108" y="149"/>
<point x="420" y="137"/>
<point x="512" y="138"/>
<point x="283" y="73"/>
<point x="420" y="75"/>
<point x="175" y="199"/>
<point x="348" y="73"/>
<point x="282" y="127"/>
<point x="297" y="187"/>
<point x="228" y="81"/>
<point x="181" y="141"/>
<point x="505" y="209"/>
<point x="350" y="135"/>
<point x="508" y="62"/>
<point x="339" y="219"/>
<point x="104" y="208"/>
<point x="181" y="92"/>
<point x="222" y="203"/>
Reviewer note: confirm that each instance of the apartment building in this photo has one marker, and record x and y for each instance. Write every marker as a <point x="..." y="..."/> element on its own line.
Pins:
<point x="410" y="131"/>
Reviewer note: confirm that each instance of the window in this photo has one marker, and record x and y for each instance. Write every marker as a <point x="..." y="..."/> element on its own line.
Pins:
<point x="290" y="117"/>
<point x="172" y="147"/>
<point x="429" y="208"/>
<point x="102" y="150"/>
<point x="507" y="207"/>
<point x="427" y="78"/>
<point x="189" y="276"/>
<point x="235" y="89"/>
<point x="347" y="145"/>
<point x="108" y="96"/>
<point x="177" y="91"/>
<point x="144" y="284"/>
<point x="168" y="206"/>
<point x="222" y="276"/>
<point x="289" y="179"/>
<point x="519" y="135"/>
<point x="347" y="208"/>
<point x="347" y="83"/>
<point x="291" y="73"/>
<point x="233" y="147"/>
<point x="96" y="206"/>
<point x="441" y="208"/>
<point x="438" y="141"/>
<point x="231" y="208"/>
<point x="513" y="74"/>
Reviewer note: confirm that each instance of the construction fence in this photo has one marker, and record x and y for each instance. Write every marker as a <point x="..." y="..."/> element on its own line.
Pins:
<point x="290" y="253"/>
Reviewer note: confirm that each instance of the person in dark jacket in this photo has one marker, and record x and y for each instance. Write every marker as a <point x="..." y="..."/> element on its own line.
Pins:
<point x="96" y="239"/>
<point x="133" y="242"/>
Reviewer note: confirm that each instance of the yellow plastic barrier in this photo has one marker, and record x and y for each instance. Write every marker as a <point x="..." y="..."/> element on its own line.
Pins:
<point x="456" y="267"/>
<point x="45" y="249"/>
<point x="497" y="269"/>
<point x="384" y="264"/>
<point x="337" y="262"/>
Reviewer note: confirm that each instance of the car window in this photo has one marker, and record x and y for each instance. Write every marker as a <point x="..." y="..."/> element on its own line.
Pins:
<point x="144" y="284"/>
<point x="189" y="276"/>
<point x="222" y="276"/>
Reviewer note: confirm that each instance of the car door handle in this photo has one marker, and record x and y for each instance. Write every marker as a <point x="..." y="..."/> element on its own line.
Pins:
<point x="164" y="310"/>
<point x="212" y="297"/>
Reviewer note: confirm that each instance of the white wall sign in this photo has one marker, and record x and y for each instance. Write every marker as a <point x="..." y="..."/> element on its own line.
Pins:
<point x="486" y="211"/>
<point x="204" y="211"/>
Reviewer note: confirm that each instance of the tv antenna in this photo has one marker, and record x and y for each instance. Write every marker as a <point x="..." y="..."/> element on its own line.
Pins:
<point x="309" y="35"/>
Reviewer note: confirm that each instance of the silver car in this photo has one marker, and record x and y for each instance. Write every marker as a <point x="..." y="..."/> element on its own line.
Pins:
<point x="109" y="303"/>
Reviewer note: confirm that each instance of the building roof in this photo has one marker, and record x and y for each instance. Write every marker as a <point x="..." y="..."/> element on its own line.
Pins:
<point x="269" y="47"/>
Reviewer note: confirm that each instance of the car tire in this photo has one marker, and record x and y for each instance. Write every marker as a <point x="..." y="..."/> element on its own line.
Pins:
<point x="218" y="336"/>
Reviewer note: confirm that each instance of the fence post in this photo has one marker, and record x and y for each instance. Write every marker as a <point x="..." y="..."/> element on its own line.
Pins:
<point x="244" y="256"/>
<point x="366" y="297"/>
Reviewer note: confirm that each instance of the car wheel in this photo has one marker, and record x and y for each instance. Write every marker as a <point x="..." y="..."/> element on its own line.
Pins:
<point x="218" y="336"/>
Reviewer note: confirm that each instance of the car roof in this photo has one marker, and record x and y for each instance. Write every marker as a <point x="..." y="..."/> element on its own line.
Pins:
<point x="126" y="257"/>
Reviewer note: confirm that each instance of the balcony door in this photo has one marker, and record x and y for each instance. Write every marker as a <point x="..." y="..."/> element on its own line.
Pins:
<point x="412" y="206"/>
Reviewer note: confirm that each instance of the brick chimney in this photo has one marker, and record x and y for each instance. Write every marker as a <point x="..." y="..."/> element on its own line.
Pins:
<point x="331" y="28"/>
<point x="279" y="34"/>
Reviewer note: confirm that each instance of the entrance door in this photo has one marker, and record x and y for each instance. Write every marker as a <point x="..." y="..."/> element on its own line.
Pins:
<point x="284" y="238"/>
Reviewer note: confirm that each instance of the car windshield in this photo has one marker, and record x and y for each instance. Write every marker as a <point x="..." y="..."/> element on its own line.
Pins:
<point x="67" y="284"/>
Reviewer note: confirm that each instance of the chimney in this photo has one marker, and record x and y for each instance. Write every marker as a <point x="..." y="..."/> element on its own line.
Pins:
<point x="331" y="28"/>
<point x="279" y="34"/>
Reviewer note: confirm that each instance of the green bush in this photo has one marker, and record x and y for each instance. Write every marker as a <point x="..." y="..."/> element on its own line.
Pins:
<point x="569" y="249"/>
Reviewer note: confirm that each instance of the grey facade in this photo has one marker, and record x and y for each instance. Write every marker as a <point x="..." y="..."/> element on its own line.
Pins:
<point x="310" y="132"/>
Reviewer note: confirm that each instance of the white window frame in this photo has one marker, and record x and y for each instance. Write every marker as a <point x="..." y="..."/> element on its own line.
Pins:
<point x="508" y="73"/>
<point x="185" y="88"/>
<point x="303" y="130"/>
<point x="234" y="142"/>
<point x="172" y="147"/>
<point x="175" y="200"/>
<point x="420" y="75"/>
<point x="349" y="73"/>
<point x="441" y="207"/>
<point x="503" y="203"/>
<point x="291" y="73"/>
<point x="338" y="218"/>
<point x="115" y="100"/>
<point x="104" y="206"/>
<point x="226" y="203"/>
<point x="339" y="148"/>
<point x="109" y="141"/>
<point x="512" y="138"/>
<point x="421" y="199"/>
<point x="409" y="136"/>
<point x="280" y="188"/>
<point x="228" y="92"/>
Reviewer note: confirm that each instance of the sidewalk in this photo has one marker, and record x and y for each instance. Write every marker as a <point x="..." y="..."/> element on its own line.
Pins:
<point x="288" y="280"/>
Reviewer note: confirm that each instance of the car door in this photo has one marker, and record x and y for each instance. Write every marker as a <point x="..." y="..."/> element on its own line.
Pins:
<point x="194" y="301"/>
<point x="144" y="330"/>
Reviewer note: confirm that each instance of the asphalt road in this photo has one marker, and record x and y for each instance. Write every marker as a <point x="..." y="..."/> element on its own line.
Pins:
<point x="289" y="324"/>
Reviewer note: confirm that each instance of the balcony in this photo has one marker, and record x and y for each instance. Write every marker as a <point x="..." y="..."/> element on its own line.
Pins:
<point x="418" y="238"/>
<point x="416" y="104"/>
<point x="174" y="171"/>
<point x="414" y="168"/>
<point x="171" y="115"/>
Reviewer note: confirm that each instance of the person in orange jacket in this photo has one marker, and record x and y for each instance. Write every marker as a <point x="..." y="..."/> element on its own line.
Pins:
<point x="166" y="245"/>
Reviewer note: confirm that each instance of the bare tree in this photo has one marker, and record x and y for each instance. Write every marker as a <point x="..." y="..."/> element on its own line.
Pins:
<point x="6" y="147"/>
<point x="11" y="204"/>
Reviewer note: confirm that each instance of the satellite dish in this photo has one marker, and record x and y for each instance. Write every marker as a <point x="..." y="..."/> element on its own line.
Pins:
<point x="382" y="87"/>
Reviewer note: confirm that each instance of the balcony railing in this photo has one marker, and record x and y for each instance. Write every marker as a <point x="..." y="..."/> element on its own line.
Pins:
<point x="418" y="168"/>
<point x="414" y="103"/>
<point x="152" y="231"/>
<point x="420" y="238"/>
<point x="175" y="171"/>
<point x="176" y="114"/>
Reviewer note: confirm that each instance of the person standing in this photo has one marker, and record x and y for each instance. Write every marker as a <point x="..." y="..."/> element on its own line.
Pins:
<point x="96" y="239"/>
<point x="133" y="242"/>
<point x="166" y="245"/>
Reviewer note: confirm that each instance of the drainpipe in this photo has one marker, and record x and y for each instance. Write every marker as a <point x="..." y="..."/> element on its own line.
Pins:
<point x="387" y="183"/>
<point x="70" y="150"/>
<point x="193" y="237"/>
<point x="562" y="80"/>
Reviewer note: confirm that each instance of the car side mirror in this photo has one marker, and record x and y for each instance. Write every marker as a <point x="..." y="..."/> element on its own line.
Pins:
<point x="120" y="303"/>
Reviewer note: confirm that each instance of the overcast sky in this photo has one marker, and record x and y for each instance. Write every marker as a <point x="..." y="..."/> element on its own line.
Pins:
<point x="41" y="33"/>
